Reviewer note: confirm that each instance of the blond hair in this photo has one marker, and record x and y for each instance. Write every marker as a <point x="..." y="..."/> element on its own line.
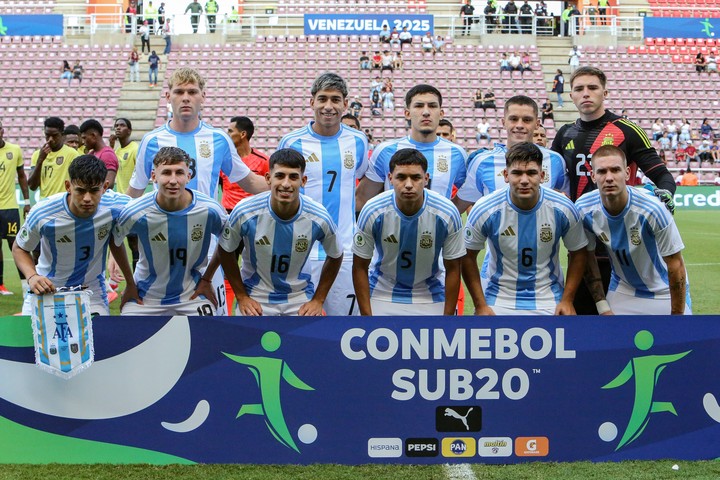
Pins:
<point x="186" y="75"/>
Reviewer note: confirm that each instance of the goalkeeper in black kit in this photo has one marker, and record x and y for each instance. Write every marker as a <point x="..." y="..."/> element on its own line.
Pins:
<point x="576" y="142"/>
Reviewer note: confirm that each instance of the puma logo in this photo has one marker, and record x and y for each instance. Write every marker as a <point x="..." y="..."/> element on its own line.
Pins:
<point x="449" y="412"/>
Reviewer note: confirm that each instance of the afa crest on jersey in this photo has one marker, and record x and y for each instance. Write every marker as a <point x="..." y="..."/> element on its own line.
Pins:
<point x="426" y="240"/>
<point x="442" y="164"/>
<point x="635" y="236"/>
<point x="301" y="244"/>
<point x="197" y="233"/>
<point x="545" y="169"/>
<point x="348" y="160"/>
<point x="205" y="150"/>
<point x="103" y="232"/>
<point x="546" y="233"/>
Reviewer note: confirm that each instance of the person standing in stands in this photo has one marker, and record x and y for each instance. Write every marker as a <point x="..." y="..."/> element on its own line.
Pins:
<point x="211" y="10"/>
<point x="195" y="10"/>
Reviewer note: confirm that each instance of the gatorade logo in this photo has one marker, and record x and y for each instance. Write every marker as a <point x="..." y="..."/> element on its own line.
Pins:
<point x="532" y="446"/>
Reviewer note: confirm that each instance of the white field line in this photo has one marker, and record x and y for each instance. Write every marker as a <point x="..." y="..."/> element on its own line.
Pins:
<point x="459" y="471"/>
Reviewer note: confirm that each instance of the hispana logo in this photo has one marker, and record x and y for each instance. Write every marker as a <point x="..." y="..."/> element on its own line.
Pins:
<point x="384" y="447"/>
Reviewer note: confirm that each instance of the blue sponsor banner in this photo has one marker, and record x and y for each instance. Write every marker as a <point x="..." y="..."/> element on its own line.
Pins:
<point x="364" y="390"/>
<point x="28" y="25"/>
<point x="352" y="24"/>
<point x="698" y="27"/>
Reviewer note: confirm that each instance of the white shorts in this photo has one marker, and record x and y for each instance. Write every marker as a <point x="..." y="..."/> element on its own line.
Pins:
<point x="500" y="310"/>
<point x="193" y="308"/>
<point x="340" y="301"/>
<point x="623" y="304"/>
<point x="277" y="310"/>
<point x="382" y="308"/>
<point x="97" y="306"/>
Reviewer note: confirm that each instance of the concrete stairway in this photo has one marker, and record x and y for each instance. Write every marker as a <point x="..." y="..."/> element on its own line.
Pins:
<point x="553" y="53"/>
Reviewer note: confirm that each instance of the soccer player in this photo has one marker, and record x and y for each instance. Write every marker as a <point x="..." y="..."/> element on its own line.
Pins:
<point x="73" y="230"/>
<point x="648" y="271"/>
<point x="446" y="130"/>
<point x="91" y="133"/>
<point x="210" y="150"/>
<point x="174" y="226"/>
<point x="125" y="151"/>
<point x="276" y="231"/>
<point x="597" y="126"/>
<point x="11" y="167"/>
<point x="336" y="156"/>
<point x="523" y="225"/>
<point x="71" y="136"/>
<point x="486" y="167"/>
<point x="50" y="163"/>
<point x="406" y="229"/>
<point x="540" y="136"/>
<point x="446" y="160"/>
<point x="351" y="121"/>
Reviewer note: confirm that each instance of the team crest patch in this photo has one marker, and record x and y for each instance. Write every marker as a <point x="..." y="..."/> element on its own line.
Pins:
<point x="226" y="233"/>
<point x="359" y="240"/>
<point x="348" y="160"/>
<point x="442" y="164"/>
<point x="608" y="140"/>
<point x="426" y="240"/>
<point x="197" y="233"/>
<point x="546" y="234"/>
<point x="205" y="150"/>
<point x="59" y="160"/>
<point x="547" y="175"/>
<point x="125" y="157"/>
<point x="103" y="232"/>
<point x="635" y="236"/>
<point x="8" y="155"/>
<point x="301" y="244"/>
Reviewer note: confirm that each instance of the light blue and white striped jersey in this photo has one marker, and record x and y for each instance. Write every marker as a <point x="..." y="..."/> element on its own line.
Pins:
<point x="637" y="240"/>
<point x="522" y="268"/>
<point x="333" y="164"/>
<point x="446" y="163"/>
<point x="210" y="149"/>
<point x="406" y="250"/>
<point x="485" y="172"/>
<point x="274" y="258"/>
<point x="72" y="249"/>
<point x="173" y="245"/>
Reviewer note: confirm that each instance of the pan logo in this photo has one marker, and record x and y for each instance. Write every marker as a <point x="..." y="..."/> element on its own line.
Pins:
<point x="459" y="447"/>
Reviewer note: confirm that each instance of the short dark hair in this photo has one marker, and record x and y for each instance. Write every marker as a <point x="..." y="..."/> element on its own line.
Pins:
<point x="522" y="100"/>
<point x="408" y="156"/>
<point x="419" y="90"/>
<point x="329" y="81"/>
<point x="93" y="125"/>
<point x="126" y="120"/>
<point x="71" y="130"/>
<point x="524" y="152"/>
<point x="350" y="116"/>
<point x="444" y="122"/>
<point x="244" y="124"/>
<point x="87" y="169"/>
<point x="54" y="122"/>
<point x="288" y="157"/>
<point x="171" y="156"/>
<point x="591" y="71"/>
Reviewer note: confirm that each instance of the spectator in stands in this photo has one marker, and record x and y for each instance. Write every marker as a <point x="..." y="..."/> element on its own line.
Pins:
<point x="541" y="12"/>
<point x="131" y="11"/>
<point x="167" y="36"/>
<point x="489" y="99"/>
<point x="446" y="130"/>
<point x="715" y="150"/>
<point x="376" y="60"/>
<point x="711" y="63"/>
<point x="397" y="61"/>
<point x="394" y="37"/>
<point x="505" y="64"/>
<point x="559" y="86"/>
<point x="438" y="45"/>
<point x="482" y="130"/>
<point x="657" y="129"/>
<point x="705" y="152"/>
<point x="154" y="62"/>
<point x="685" y="130"/>
<point x="92" y="134"/>
<point x="195" y="10"/>
<point x="574" y="58"/>
<point x="78" y="71"/>
<point x="161" y="17"/>
<point x="134" y="62"/>
<point x="478" y="98"/>
<point x="351" y="121"/>
<point x="211" y="10"/>
<point x="700" y="62"/>
<point x="565" y="20"/>
<point x="691" y="154"/>
<point x="540" y="136"/>
<point x="376" y="85"/>
<point x="387" y="61"/>
<point x="602" y="11"/>
<point x="689" y="178"/>
<point x="144" y="33"/>
<point x="706" y="130"/>
<point x="466" y="13"/>
<point x="547" y="111"/>
<point x="356" y="107"/>
<point x="364" y="61"/>
<point x="150" y="14"/>
<point x="490" y="12"/>
<point x="384" y="34"/>
<point x="526" y="18"/>
<point x="525" y="62"/>
<point x="680" y="152"/>
<point x="387" y="83"/>
<point x="71" y="138"/>
<point x="515" y="63"/>
<point x="405" y="37"/>
<point x="664" y="141"/>
<point x="511" y="21"/>
<point x="427" y="43"/>
<point x="388" y="99"/>
<point x="67" y="73"/>
<point x="376" y="100"/>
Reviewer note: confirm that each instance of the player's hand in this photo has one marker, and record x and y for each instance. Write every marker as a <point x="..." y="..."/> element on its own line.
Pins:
<point x="130" y="293"/>
<point x="565" y="308"/>
<point x="114" y="271"/>
<point x="609" y="312"/>
<point x="205" y="288"/>
<point x="667" y="198"/>
<point x="313" y="308"/>
<point x="486" y="310"/>
<point x="26" y="210"/>
<point x="113" y="137"/>
<point x="40" y="285"/>
<point x="44" y="152"/>
<point x="249" y="307"/>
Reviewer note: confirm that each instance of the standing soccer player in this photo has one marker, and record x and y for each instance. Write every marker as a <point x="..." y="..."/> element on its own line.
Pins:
<point x="597" y="126"/>
<point x="522" y="226"/>
<point x="485" y="167"/>
<point x="336" y="156"/>
<point x="174" y="226"/>
<point x="276" y="232"/>
<point x="51" y="162"/>
<point x="210" y="150"/>
<point x="406" y="229"/>
<point x="446" y="160"/>
<point x="648" y="271"/>
<point x="73" y="230"/>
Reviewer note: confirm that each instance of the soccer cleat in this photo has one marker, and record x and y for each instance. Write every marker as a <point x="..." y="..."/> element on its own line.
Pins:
<point x="5" y="291"/>
<point x="112" y="296"/>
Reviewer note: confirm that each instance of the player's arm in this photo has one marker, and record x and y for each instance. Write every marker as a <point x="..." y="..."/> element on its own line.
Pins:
<point x="23" y="182"/>
<point x="677" y="281"/>
<point x="576" y="268"/>
<point x="246" y="305"/>
<point x="119" y="256"/>
<point x="366" y="190"/>
<point x="594" y="284"/>
<point x="254" y="183"/>
<point x="110" y="178"/>
<point x="452" y="284"/>
<point x="471" y="274"/>
<point x="330" y="269"/>
<point x="462" y="205"/>
<point x="36" y="172"/>
<point x="361" y="283"/>
<point x="39" y="284"/>
<point x="205" y="286"/>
